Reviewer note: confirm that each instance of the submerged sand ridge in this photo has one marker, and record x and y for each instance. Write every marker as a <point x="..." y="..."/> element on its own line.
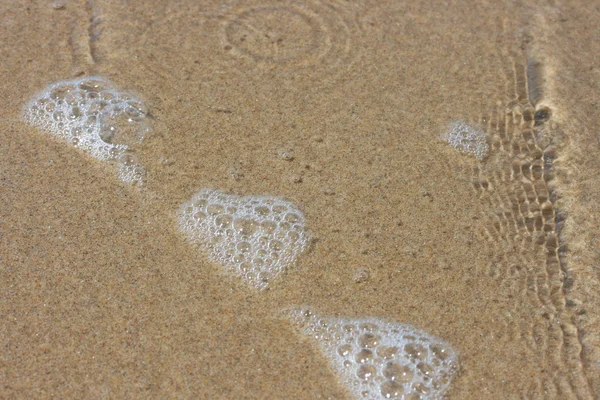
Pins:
<point x="107" y="299"/>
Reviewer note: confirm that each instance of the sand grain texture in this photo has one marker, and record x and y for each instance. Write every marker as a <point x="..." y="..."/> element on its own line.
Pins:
<point x="102" y="297"/>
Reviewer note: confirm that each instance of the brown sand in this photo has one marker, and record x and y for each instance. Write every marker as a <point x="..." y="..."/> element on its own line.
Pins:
<point x="101" y="296"/>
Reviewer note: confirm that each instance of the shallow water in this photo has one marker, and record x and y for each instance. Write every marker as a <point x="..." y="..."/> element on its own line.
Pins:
<point x="339" y="107"/>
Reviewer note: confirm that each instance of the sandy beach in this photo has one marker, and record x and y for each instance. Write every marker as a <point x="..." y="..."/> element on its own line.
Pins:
<point x="339" y="107"/>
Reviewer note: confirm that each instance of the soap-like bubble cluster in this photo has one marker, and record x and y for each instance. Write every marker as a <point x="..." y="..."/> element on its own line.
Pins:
<point x="92" y="115"/>
<point x="254" y="237"/>
<point x="376" y="359"/>
<point x="467" y="139"/>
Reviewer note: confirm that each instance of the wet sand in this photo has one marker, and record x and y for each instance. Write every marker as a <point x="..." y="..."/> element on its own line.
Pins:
<point x="102" y="296"/>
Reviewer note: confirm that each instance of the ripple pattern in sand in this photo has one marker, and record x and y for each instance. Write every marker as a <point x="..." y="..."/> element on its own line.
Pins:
<point x="516" y="185"/>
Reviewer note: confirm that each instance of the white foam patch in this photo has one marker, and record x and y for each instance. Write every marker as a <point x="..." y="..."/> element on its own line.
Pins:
<point x="376" y="359"/>
<point x="92" y="115"/>
<point x="254" y="237"/>
<point x="467" y="139"/>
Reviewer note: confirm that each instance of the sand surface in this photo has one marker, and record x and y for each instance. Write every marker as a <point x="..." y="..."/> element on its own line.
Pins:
<point x="101" y="296"/>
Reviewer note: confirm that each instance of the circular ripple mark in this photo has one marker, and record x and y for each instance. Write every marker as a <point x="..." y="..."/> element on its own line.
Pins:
<point x="312" y="37"/>
<point x="274" y="34"/>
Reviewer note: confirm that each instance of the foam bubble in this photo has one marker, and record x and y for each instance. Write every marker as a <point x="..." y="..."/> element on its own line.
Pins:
<point x="92" y="115"/>
<point x="254" y="237"/>
<point x="376" y="359"/>
<point x="467" y="139"/>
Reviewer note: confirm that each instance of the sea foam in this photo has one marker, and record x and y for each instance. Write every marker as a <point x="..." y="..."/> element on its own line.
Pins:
<point x="467" y="139"/>
<point x="377" y="359"/>
<point x="253" y="237"/>
<point x="92" y="115"/>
